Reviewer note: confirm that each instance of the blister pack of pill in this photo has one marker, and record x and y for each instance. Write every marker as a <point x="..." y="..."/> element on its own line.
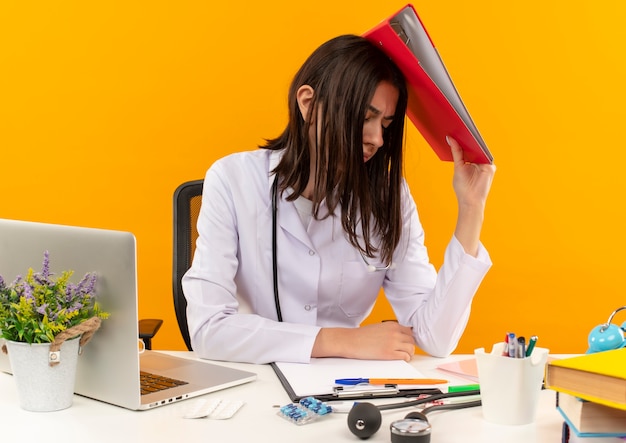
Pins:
<point x="215" y="409"/>
<point x="305" y="411"/>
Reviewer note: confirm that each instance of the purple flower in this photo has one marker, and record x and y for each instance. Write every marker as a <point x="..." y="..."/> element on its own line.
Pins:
<point x="28" y="292"/>
<point x="90" y="285"/>
<point x="43" y="277"/>
<point x="86" y="285"/>
<point x="42" y="309"/>
<point x="70" y="290"/>
<point x="77" y="306"/>
<point x="45" y="269"/>
<point x="41" y="294"/>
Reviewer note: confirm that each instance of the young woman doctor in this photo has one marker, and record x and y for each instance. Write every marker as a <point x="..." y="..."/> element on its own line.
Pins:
<point x="346" y="225"/>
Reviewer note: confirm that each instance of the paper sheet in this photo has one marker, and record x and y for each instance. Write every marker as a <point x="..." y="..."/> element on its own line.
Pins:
<point x="464" y="368"/>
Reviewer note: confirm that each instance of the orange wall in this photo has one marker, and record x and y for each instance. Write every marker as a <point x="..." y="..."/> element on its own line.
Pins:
<point x="106" y="107"/>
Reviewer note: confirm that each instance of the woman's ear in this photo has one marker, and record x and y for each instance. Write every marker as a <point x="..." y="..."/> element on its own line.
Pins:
<point x="304" y="96"/>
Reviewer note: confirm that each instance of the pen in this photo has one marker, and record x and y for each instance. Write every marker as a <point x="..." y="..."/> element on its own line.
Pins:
<point x="365" y="392"/>
<point x="531" y="345"/>
<point x="390" y="381"/>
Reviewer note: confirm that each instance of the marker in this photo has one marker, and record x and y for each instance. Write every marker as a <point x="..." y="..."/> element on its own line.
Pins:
<point x="390" y="381"/>
<point x="463" y="388"/>
<point x="531" y="345"/>
<point x="505" y="350"/>
<point x="521" y="347"/>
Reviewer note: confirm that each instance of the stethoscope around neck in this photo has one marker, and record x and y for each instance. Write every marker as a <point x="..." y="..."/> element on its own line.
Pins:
<point x="370" y="267"/>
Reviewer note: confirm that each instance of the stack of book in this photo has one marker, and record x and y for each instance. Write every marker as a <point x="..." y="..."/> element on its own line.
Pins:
<point x="591" y="395"/>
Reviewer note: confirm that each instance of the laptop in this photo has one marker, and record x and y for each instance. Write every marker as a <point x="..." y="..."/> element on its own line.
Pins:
<point x="110" y="366"/>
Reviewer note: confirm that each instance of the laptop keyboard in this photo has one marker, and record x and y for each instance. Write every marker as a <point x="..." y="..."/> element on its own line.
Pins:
<point x="151" y="383"/>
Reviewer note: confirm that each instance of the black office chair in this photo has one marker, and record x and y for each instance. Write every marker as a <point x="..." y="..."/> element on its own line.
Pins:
<point x="187" y="201"/>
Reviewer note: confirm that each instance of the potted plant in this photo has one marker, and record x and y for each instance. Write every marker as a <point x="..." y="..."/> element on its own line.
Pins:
<point x="44" y="319"/>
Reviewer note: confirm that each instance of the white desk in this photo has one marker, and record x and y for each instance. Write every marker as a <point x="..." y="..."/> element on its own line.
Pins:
<point x="93" y="421"/>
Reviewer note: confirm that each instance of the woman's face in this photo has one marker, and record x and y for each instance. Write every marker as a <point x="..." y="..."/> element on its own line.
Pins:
<point x="378" y="117"/>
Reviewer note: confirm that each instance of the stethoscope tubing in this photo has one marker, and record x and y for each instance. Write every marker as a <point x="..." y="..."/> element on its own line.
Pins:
<point x="274" y="198"/>
<point x="279" y="314"/>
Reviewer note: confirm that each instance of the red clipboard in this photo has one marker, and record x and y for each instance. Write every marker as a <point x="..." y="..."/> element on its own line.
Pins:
<point x="434" y="106"/>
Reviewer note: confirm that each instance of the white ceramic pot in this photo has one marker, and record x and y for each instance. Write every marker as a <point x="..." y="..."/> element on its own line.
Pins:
<point x="41" y="387"/>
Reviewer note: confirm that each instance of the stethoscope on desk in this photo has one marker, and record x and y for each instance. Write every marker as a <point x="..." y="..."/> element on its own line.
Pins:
<point x="274" y="196"/>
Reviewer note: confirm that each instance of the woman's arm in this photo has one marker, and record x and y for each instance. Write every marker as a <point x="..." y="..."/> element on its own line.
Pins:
<point x="437" y="304"/>
<point x="379" y="341"/>
<point x="471" y="183"/>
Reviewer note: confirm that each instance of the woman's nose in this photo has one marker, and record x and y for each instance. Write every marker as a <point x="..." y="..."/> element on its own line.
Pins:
<point x="375" y="137"/>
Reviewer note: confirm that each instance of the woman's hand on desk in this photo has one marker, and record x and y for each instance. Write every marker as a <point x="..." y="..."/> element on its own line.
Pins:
<point x="379" y="341"/>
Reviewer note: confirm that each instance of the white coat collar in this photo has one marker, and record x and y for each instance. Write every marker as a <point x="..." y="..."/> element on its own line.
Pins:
<point x="288" y="218"/>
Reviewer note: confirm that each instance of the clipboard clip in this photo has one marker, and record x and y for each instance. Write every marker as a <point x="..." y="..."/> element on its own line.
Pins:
<point x="365" y="392"/>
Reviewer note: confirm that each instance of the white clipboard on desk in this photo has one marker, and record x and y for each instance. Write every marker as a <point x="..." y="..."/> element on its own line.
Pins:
<point x="317" y="379"/>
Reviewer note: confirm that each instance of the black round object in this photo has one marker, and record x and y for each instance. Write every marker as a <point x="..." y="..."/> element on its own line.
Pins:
<point x="364" y="420"/>
<point x="414" y="428"/>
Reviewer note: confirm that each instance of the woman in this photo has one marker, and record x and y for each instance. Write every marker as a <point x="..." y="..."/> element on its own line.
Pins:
<point x="346" y="225"/>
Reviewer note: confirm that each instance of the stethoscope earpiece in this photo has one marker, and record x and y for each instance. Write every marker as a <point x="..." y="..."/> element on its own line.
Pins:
<point x="607" y="336"/>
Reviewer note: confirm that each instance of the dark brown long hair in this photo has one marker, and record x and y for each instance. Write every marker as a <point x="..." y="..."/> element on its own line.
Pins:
<point x="344" y="74"/>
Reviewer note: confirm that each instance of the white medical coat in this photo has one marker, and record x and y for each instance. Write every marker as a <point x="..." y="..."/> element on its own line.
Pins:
<point x="322" y="279"/>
